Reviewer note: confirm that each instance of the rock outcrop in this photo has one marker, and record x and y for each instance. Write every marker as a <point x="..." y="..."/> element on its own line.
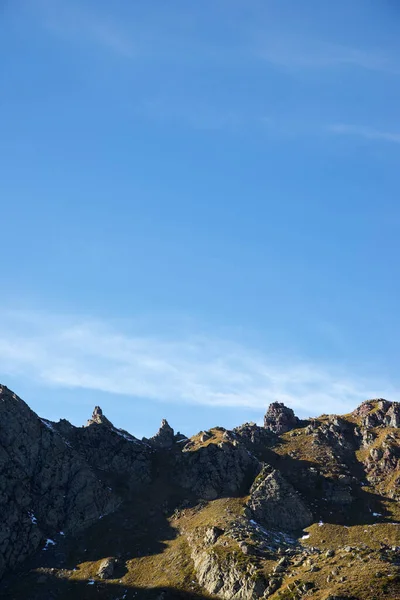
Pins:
<point x="280" y="419"/>
<point x="164" y="438"/>
<point x="225" y="574"/>
<point x="106" y="568"/>
<point x="223" y="469"/>
<point x="379" y="413"/>
<point x="98" y="418"/>
<point x="121" y="461"/>
<point x="221" y="513"/>
<point x="45" y="485"/>
<point x="275" y="504"/>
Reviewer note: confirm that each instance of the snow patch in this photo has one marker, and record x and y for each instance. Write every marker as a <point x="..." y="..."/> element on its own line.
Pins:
<point x="305" y="537"/>
<point x="50" y="426"/>
<point x="32" y="517"/>
<point x="279" y="536"/>
<point x="126" y="436"/>
<point x="47" y="424"/>
<point x="49" y="543"/>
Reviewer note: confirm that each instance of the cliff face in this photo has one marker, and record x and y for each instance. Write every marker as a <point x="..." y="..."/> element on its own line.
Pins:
<point x="289" y="510"/>
<point x="46" y="486"/>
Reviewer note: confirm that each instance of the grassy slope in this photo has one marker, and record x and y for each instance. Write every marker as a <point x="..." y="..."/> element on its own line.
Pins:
<point x="150" y="538"/>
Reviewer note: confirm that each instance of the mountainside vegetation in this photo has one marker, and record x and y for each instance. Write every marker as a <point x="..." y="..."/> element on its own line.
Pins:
<point x="293" y="509"/>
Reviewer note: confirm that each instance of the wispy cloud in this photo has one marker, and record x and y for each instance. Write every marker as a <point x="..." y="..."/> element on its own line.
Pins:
<point x="301" y="53"/>
<point x="198" y="369"/>
<point x="365" y="132"/>
<point x="157" y="35"/>
<point x="74" y="21"/>
<point x="161" y="35"/>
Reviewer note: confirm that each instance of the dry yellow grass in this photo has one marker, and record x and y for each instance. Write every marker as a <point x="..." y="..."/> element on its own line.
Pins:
<point x="361" y="572"/>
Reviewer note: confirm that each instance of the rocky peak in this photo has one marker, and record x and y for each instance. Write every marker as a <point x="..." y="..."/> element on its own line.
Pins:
<point x="45" y="485"/>
<point x="379" y="412"/>
<point x="98" y="418"/>
<point x="95" y="492"/>
<point x="371" y="405"/>
<point x="164" y="438"/>
<point x="280" y="419"/>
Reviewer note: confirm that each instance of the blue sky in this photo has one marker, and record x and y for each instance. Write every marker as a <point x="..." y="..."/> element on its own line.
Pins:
<point x="199" y="207"/>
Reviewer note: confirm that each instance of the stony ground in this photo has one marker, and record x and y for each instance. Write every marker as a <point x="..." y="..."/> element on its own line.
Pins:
<point x="287" y="511"/>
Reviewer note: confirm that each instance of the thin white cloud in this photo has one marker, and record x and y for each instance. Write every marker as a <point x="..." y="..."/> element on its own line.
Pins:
<point x="154" y="36"/>
<point x="200" y="369"/>
<point x="301" y="53"/>
<point x="73" y="21"/>
<point x="365" y="132"/>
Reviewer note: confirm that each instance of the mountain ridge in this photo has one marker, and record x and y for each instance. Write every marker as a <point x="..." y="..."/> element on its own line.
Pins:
<point x="290" y="509"/>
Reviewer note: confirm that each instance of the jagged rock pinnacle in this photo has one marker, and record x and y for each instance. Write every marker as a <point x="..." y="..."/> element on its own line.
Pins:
<point x="98" y="418"/>
<point x="97" y="412"/>
<point x="164" y="437"/>
<point x="279" y="418"/>
<point x="266" y="489"/>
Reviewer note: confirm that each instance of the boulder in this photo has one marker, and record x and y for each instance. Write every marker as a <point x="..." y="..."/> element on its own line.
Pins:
<point x="106" y="568"/>
<point x="212" y="534"/>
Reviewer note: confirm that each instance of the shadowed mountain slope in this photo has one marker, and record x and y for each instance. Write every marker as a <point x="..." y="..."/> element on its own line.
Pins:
<point x="290" y="510"/>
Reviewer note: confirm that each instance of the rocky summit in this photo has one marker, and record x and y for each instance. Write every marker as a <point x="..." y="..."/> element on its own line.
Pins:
<point x="293" y="509"/>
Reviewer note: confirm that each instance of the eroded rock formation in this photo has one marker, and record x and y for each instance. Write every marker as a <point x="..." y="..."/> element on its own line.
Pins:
<point x="226" y="512"/>
<point x="280" y="419"/>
